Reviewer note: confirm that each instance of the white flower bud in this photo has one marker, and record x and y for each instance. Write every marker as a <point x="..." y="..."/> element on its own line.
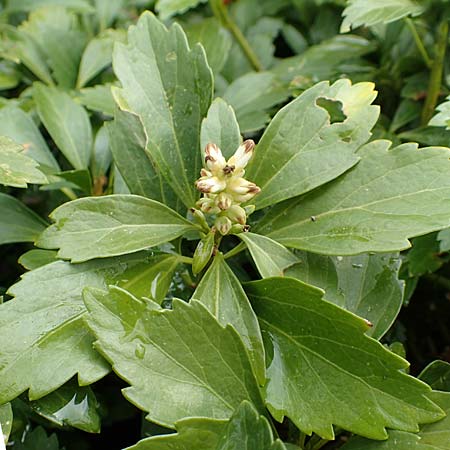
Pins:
<point x="224" y="201"/>
<point x="208" y="206"/>
<point x="237" y="214"/>
<point x="214" y="159"/>
<point x="223" y="225"/>
<point x="241" y="186"/>
<point x="243" y="198"/>
<point x="242" y="156"/>
<point x="210" y="185"/>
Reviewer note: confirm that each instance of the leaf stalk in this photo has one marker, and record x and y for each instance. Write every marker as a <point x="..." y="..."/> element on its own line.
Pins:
<point x="434" y="87"/>
<point x="221" y="12"/>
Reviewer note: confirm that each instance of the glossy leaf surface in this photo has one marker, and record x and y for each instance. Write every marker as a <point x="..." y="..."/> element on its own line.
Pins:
<point x="315" y="348"/>
<point x="305" y="147"/>
<point x="366" y="285"/>
<point x="270" y="257"/>
<point x="170" y="87"/>
<point x="221" y="292"/>
<point x="99" y="227"/>
<point x="391" y="195"/>
<point x="17" y="222"/>
<point x="209" y="373"/>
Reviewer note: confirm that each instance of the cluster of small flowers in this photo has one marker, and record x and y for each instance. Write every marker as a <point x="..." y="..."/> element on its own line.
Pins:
<point x="224" y="188"/>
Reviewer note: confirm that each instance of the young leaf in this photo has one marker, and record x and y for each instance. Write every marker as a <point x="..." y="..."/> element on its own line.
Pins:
<point x="6" y="421"/>
<point x="251" y="96"/>
<point x="424" y="256"/>
<point x="107" y="11"/>
<point x="221" y="292"/>
<point x="16" y="168"/>
<point x="442" y="118"/>
<point x="315" y="349"/>
<point x="99" y="227"/>
<point x="220" y="127"/>
<point x="390" y="196"/>
<point x="366" y="285"/>
<point x="19" y="126"/>
<point x="270" y="257"/>
<point x="128" y="145"/>
<point x="81" y="6"/>
<point x="305" y="146"/>
<point x="437" y="375"/>
<point x="52" y="344"/>
<point x="70" y="405"/>
<point x="209" y="373"/>
<point x="98" y="98"/>
<point x="170" y="87"/>
<point x="435" y="436"/>
<point x="215" y="39"/>
<point x="17" y="222"/>
<point x="35" y="258"/>
<point x="98" y="55"/>
<point x="67" y="123"/>
<point x="37" y="440"/>
<point x="168" y="8"/>
<point x="373" y="12"/>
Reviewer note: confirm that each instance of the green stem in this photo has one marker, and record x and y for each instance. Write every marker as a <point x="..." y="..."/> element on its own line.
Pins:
<point x="419" y="43"/>
<point x="235" y="251"/>
<point x="221" y="12"/>
<point x="434" y="87"/>
<point x="69" y="193"/>
<point x="184" y="259"/>
<point x="302" y="440"/>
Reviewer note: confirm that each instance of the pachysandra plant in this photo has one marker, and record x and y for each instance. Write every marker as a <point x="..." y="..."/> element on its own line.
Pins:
<point x="262" y="337"/>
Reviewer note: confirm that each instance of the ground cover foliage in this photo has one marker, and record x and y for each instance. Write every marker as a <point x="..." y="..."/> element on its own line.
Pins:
<point x="224" y="224"/>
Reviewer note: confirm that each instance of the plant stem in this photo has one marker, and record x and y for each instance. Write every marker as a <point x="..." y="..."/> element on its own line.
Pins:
<point x="69" y="193"/>
<point x="302" y="440"/>
<point x="184" y="259"/>
<point x="419" y="43"/>
<point x="221" y="12"/>
<point x="235" y="251"/>
<point x="437" y="70"/>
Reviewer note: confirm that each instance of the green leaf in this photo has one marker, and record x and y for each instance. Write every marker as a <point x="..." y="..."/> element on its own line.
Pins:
<point x="221" y="292"/>
<point x="6" y="421"/>
<point x="168" y="8"/>
<point x="301" y="150"/>
<point x="70" y="405"/>
<point x="17" y="222"/>
<point x="444" y="240"/>
<point x="98" y="98"/>
<point x="209" y="374"/>
<point x="215" y="39"/>
<point x="102" y="157"/>
<point x="128" y="145"/>
<point x="252" y="96"/>
<point x="435" y="436"/>
<point x="210" y="434"/>
<point x="247" y="430"/>
<point x="81" y="6"/>
<point x="366" y="285"/>
<point x="67" y="123"/>
<point x="170" y="87"/>
<point x="52" y="344"/>
<point x="191" y="433"/>
<point x="390" y="196"/>
<point x="16" y="168"/>
<point x="19" y="47"/>
<point x="220" y="127"/>
<point x="37" y="440"/>
<point x="107" y="11"/>
<point x="36" y="258"/>
<point x="314" y="349"/>
<point x="437" y="375"/>
<point x="373" y="12"/>
<point x="99" y="227"/>
<point x="442" y="118"/>
<point x="424" y="256"/>
<point x="97" y="55"/>
<point x="19" y="126"/>
<point x="270" y="257"/>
